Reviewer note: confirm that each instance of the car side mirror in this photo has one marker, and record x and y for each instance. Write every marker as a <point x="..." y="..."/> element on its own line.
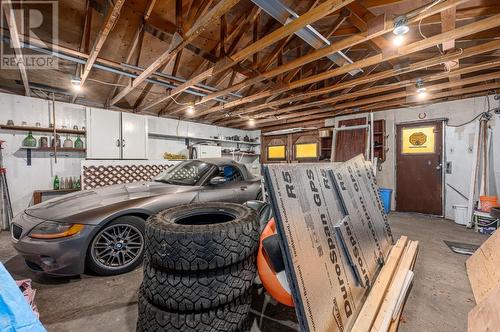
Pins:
<point x="218" y="180"/>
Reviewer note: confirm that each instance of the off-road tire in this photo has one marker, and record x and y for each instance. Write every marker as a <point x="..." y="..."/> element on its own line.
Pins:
<point x="200" y="290"/>
<point x="227" y="318"/>
<point x="173" y="243"/>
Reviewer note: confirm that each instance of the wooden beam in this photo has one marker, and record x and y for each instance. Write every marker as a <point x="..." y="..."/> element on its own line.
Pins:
<point x="322" y="52"/>
<point x="472" y="28"/>
<point x="179" y="43"/>
<point x="311" y="16"/>
<point x="378" y="89"/>
<point x="16" y="44"/>
<point x="107" y="26"/>
<point x="136" y="41"/>
<point x="322" y="114"/>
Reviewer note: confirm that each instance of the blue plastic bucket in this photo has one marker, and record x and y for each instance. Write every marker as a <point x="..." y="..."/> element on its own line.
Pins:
<point x="385" y="196"/>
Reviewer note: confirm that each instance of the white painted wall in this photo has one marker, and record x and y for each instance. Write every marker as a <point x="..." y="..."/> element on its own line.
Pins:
<point x="23" y="179"/>
<point x="458" y="142"/>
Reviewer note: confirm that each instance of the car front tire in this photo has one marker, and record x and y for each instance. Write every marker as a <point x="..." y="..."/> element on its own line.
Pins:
<point x="118" y="247"/>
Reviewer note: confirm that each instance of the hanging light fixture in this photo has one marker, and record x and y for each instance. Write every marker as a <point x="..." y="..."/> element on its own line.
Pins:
<point x="400" y="29"/>
<point x="421" y="90"/>
<point x="251" y="122"/>
<point x="76" y="83"/>
<point x="190" y="109"/>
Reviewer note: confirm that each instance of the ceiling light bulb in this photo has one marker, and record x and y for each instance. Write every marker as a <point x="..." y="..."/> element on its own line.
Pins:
<point x="190" y="109"/>
<point x="398" y="40"/>
<point x="400" y="25"/>
<point x="76" y="83"/>
<point x="421" y="90"/>
<point x="251" y="122"/>
<point x="422" y="95"/>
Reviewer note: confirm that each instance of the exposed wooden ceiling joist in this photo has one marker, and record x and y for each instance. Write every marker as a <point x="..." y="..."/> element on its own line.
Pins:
<point x="179" y="43"/>
<point x="311" y="16"/>
<point x="475" y="27"/>
<point x="318" y="54"/>
<point x="14" y="35"/>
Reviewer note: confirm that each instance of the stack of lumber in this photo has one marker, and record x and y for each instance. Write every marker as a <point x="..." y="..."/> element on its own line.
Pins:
<point x="384" y="303"/>
<point x="483" y="269"/>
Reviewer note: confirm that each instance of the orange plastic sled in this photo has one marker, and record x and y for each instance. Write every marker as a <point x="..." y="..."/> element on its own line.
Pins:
<point x="276" y="284"/>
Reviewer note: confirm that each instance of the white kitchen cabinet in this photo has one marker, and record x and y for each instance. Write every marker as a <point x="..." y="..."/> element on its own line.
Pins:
<point x="134" y="136"/>
<point x="115" y="135"/>
<point x="103" y="134"/>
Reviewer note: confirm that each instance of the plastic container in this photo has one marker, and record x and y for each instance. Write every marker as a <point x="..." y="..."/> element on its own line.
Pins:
<point x="487" y="202"/>
<point x="461" y="213"/>
<point x="385" y="196"/>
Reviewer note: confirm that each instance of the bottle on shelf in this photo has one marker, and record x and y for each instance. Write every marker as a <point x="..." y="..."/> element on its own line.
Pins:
<point x="29" y="141"/>
<point x="56" y="183"/>
<point x="70" y="183"/>
<point x="78" y="184"/>
<point x="78" y="143"/>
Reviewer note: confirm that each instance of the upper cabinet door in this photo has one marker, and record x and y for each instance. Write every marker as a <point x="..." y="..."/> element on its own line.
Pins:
<point x="103" y="134"/>
<point x="134" y="136"/>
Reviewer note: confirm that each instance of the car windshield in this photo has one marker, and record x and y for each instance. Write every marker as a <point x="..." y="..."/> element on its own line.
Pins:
<point x="187" y="173"/>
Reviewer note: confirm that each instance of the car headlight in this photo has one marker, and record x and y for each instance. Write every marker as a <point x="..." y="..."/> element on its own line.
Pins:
<point x="54" y="230"/>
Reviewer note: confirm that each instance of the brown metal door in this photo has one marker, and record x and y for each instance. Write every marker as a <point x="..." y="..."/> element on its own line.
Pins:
<point x="419" y="167"/>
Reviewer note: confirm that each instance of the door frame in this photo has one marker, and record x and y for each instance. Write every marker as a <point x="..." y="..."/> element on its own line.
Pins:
<point x="443" y="121"/>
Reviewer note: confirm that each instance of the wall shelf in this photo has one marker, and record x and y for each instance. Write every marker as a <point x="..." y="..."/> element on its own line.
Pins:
<point x="48" y="149"/>
<point x="202" y="139"/>
<point x="51" y="149"/>
<point x="43" y="130"/>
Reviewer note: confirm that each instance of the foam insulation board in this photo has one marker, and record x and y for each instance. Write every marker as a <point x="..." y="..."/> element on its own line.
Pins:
<point x="333" y="248"/>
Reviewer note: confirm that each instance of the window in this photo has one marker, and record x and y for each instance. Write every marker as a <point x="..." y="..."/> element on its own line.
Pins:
<point x="418" y="140"/>
<point x="306" y="150"/>
<point x="276" y="152"/>
<point x="187" y="173"/>
<point x="230" y="173"/>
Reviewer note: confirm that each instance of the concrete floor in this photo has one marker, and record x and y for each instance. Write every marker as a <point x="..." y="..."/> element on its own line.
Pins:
<point x="440" y="298"/>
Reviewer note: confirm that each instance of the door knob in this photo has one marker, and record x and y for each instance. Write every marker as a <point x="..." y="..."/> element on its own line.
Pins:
<point x="243" y="188"/>
<point x="438" y="167"/>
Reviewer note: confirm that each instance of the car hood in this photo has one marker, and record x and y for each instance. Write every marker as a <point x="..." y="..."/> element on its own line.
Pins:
<point x="69" y="205"/>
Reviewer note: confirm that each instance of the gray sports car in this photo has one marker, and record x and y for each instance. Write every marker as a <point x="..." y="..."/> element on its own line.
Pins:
<point x="103" y="229"/>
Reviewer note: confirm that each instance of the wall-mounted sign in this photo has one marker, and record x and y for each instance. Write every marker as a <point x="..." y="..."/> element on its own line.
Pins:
<point x="419" y="140"/>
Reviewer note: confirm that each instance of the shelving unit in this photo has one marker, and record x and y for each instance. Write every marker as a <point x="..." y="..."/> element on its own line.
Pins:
<point x="51" y="131"/>
<point x="202" y="139"/>
<point x="43" y="130"/>
<point x="233" y="154"/>
<point x="51" y="149"/>
<point x="379" y="139"/>
<point x="326" y="146"/>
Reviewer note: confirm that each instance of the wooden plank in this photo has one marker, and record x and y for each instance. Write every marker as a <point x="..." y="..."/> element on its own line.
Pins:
<point x="14" y="38"/>
<point x="311" y="16"/>
<point x="107" y="26"/>
<point x="322" y="52"/>
<point x="179" y="43"/>
<point x="372" y="303"/>
<point x="485" y="317"/>
<point x="472" y="28"/>
<point x="483" y="267"/>
<point x="384" y="316"/>
<point x="379" y="89"/>
<point x="328" y="113"/>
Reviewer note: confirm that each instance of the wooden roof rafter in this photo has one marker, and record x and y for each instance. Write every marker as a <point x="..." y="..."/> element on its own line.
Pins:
<point x="311" y="16"/>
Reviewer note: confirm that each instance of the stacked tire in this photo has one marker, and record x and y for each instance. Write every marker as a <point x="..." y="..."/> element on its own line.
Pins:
<point x="199" y="266"/>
